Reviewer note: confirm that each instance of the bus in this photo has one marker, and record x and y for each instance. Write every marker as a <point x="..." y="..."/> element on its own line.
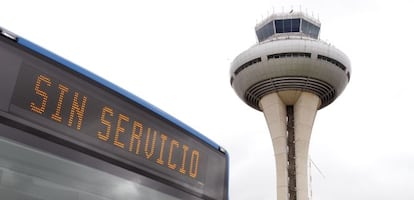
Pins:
<point x="66" y="133"/>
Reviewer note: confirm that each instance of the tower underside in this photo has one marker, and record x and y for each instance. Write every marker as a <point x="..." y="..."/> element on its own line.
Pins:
<point x="323" y="90"/>
<point x="290" y="116"/>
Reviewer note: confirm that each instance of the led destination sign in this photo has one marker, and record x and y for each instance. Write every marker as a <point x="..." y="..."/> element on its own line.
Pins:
<point x="52" y="99"/>
<point x="103" y="121"/>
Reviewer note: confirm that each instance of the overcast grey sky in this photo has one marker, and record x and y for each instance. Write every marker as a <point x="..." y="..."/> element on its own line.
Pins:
<point x="176" y="55"/>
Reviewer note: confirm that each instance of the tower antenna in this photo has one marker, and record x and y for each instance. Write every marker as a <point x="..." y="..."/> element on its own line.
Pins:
<point x="317" y="168"/>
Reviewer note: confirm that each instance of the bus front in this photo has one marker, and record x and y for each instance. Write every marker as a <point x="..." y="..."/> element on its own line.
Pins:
<point x="66" y="133"/>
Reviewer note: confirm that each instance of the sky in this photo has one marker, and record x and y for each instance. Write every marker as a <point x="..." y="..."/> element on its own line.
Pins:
<point x="177" y="55"/>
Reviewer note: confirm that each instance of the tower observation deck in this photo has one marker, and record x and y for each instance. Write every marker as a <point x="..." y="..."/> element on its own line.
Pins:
<point x="289" y="75"/>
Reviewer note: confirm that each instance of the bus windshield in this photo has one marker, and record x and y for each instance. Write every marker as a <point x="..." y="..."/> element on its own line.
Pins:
<point x="29" y="174"/>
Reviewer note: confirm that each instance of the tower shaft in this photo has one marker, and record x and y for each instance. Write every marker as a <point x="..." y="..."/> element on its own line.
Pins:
<point x="290" y="122"/>
<point x="291" y="152"/>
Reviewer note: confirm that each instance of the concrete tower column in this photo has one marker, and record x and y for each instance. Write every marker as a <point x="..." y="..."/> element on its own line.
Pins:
<point x="305" y="106"/>
<point x="305" y="110"/>
<point x="275" y="113"/>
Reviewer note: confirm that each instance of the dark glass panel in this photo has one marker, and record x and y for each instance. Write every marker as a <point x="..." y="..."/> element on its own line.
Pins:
<point x="295" y="25"/>
<point x="265" y="32"/>
<point x="287" y="25"/>
<point x="315" y="31"/>
<point x="310" y="29"/>
<point x="305" y="26"/>
<point x="259" y="35"/>
<point x="279" y="26"/>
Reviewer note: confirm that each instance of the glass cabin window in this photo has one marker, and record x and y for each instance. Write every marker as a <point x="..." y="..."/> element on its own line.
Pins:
<point x="295" y="25"/>
<point x="287" y="25"/>
<point x="265" y="32"/>
<point x="279" y="26"/>
<point x="310" y="29"/>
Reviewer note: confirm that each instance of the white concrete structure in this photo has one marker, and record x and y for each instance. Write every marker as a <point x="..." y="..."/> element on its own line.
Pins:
<point x="290" y="74"/>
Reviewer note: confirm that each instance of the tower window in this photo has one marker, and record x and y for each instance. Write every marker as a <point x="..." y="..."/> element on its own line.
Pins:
<point x="265" y="32"/>
<point x="288" y="54"/>
<point x="279" y="26"/>
<point x="287" y="25"/>
<point x="295" y="25"/>
<point x="245" y="65"/>
<point x="333" y="61"/>
<point x="310" y="29"/>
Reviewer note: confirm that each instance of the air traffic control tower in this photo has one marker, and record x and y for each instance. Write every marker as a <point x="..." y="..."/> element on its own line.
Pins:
<point x="289" y="75"/>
